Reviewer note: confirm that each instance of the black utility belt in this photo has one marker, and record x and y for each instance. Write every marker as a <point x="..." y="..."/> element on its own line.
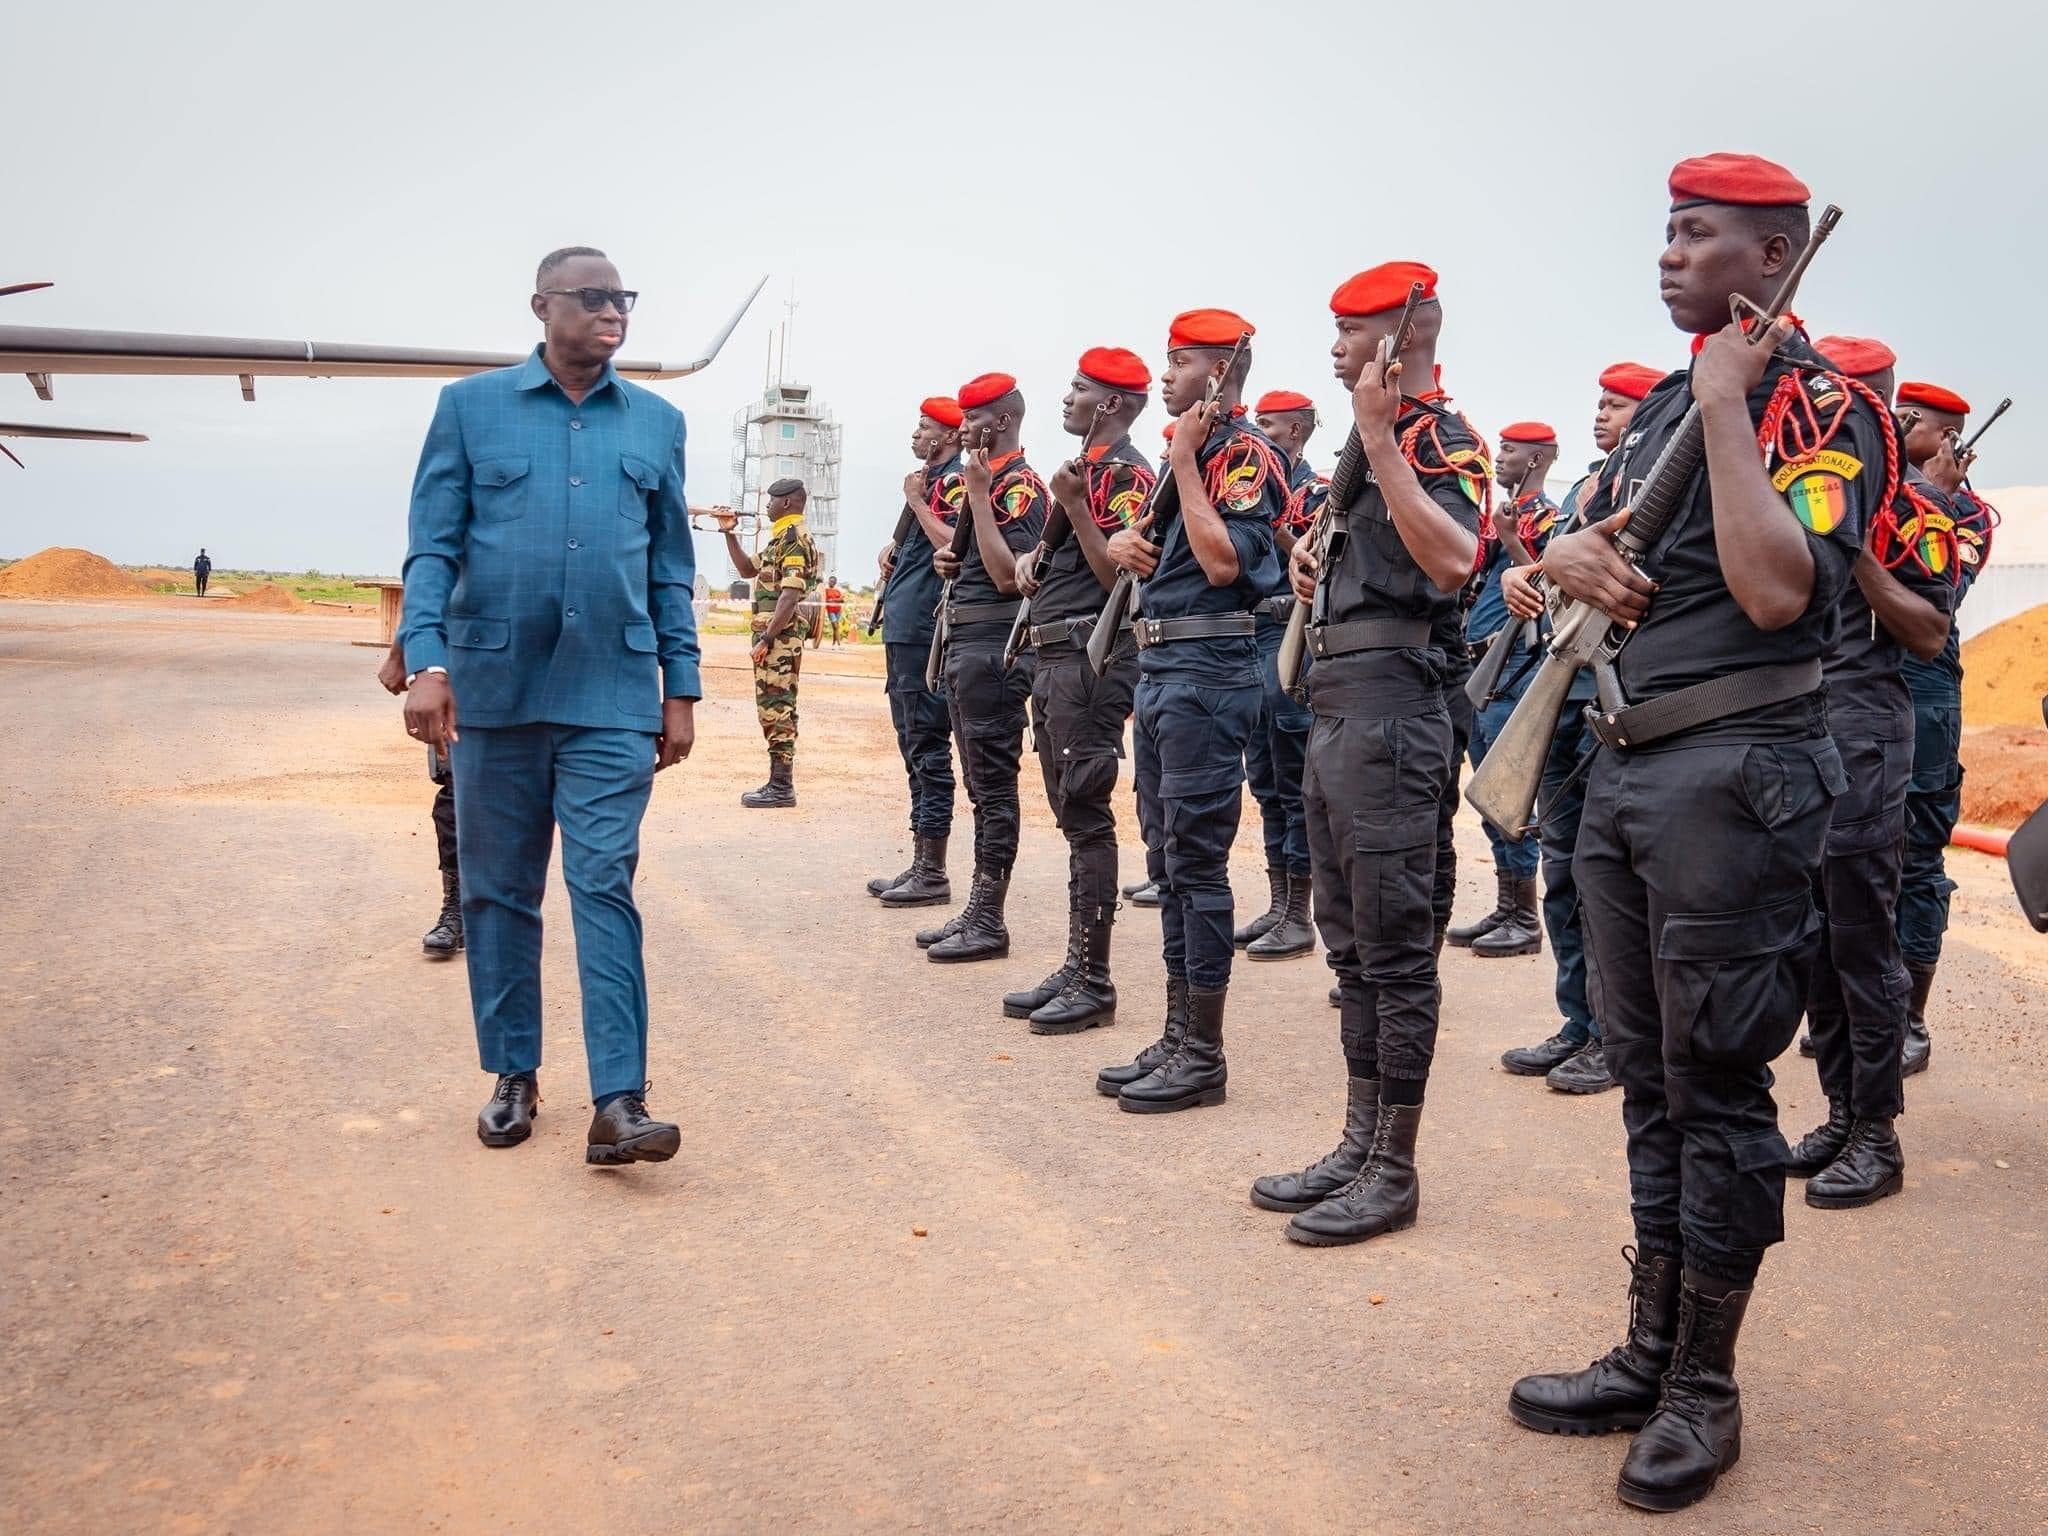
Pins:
<point x="1279" y="607"/>
<point x="1065" y="632"/>
<point x="1151" y="632"/>
<point x="1325" y="640"/>
<point x="1703" y="703"/>
<point x="981" y="613"/>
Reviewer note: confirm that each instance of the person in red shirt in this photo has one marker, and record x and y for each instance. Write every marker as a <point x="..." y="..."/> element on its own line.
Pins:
<point x="835" y="605"/>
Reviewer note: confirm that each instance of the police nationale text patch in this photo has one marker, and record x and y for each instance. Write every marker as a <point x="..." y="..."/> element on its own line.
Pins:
<point x="1833" y="460"/>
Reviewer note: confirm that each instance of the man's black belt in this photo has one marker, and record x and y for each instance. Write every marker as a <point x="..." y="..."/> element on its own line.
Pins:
<point x="1367" y="635"/>
<point x="1277" y="607"/>
<point x="1703" y="703"/>
<point x="1064" y="632"/>
<point x="1151" y="632"/>
<point x="981" y="613"/>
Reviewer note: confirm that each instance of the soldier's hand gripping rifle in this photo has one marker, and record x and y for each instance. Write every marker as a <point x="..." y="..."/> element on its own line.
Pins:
<point x="934" y="662"/>
<point x="1485" y="678"/>
<point x="1345" y="484"/>
<point x="1163" y="507"/>
<point x="1058" y="529"/>
<point x="1504" y="785"/>
<point x="905" y="521"/>
<point x="1967" y="449"/>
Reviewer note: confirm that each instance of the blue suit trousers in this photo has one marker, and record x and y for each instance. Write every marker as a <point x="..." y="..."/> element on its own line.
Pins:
<point x="514" y="786"/>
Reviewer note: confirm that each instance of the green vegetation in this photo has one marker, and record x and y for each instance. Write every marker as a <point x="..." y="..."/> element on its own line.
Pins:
<point x="307" y="586"/>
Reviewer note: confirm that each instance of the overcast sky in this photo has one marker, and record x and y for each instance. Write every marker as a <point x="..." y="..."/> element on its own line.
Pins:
<point x="952" y="190"/>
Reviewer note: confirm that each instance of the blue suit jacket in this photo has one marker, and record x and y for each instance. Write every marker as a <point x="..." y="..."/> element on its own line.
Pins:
<point x="550" y="564"/>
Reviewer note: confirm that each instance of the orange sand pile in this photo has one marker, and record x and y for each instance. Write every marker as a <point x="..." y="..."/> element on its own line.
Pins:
<point x="2005" y="774"/>
<point x="60" y="572"/>
<point x="271" y="598"/>
<point x="2005" y="671"/>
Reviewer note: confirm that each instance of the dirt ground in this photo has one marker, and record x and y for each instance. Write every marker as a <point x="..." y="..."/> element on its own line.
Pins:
<point x="259" y="1275"/>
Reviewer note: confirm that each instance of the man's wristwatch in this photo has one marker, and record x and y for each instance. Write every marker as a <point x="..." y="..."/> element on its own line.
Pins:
<point x="412" y="677"/>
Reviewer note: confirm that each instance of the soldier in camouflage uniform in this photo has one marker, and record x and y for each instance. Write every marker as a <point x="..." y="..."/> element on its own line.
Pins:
<point x="783" y="575"/>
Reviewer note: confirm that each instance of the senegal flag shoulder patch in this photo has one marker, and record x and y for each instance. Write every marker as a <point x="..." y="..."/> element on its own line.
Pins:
<point x="1820" y="500"/>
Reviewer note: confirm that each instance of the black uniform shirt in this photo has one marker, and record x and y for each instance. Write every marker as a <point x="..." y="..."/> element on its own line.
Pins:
<point x="1695" y="630"/>
<point x="1019" y="498"/>
<point x="1247" y="483"/>
<point x="1866" y="690"/>
<point x="1119" y="479"/>
<point x="1939" y="682"/>
<point x="1374" y="577"/>
<point x="911" y="599"/>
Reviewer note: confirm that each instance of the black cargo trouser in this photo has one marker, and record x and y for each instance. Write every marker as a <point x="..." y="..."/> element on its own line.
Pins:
<point x="1077" y="724"/>
<point x="1695" y="868"/>
<point x="1374" y="791"/>
<point x="988" y="708"/>
<point x="924" y="737"/>
<point x="1444" y="892"/>
<point x="1190" y="742"/>
<point x="1856" y="1001"/>
<point x="444" y="824"/>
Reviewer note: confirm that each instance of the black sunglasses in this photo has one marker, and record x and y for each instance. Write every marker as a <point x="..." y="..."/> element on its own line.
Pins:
<point x="595" y="299"/>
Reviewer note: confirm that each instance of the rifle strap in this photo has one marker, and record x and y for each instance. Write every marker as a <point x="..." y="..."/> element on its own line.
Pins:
<point x="1734" y="693"/>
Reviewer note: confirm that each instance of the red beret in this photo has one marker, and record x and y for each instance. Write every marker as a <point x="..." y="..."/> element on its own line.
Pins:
<point x="1934" y="397"/>
<point x="1635" y="380"/>
<point x="943" y="409"/>
<point x="1207" y="328"/>
<point x="977" y="392"/>
<point x="1857" y="356"/>
<point x="1528" y="432"/>
<point x="1381" y="288"/>
<point x="1742" y="180"/>
<point x="1117" y="368"/>
<point x="1274" y="401"/>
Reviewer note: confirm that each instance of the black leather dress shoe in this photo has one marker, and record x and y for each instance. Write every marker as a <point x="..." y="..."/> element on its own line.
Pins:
<point x="508" y="1119"/>
<point x="622" y="1132"/>
<point x="1538" y="1060"/>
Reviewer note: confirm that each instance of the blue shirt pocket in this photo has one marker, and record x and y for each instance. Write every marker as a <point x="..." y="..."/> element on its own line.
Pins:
<point x="499" y="488"/>
<point x="637" y="489"/>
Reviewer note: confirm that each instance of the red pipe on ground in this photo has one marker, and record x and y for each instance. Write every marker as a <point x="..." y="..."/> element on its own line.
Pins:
<point x="1981" y="840"/>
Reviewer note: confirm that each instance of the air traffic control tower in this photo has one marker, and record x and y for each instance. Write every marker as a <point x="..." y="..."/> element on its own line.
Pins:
<point x="787" y="432"/>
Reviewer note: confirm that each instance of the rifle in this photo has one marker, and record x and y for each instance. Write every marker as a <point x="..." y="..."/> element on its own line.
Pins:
<point x="1163" y="502"/>
<point x="1965" y="449"/>
<point x="1485" y="678"/>
<point x="905" y="521"/>
<point x="1504" y="785"/>
<point x="934" y="662"/>
<point x="1057" y="529"/>
<point x="1344" y="489"/>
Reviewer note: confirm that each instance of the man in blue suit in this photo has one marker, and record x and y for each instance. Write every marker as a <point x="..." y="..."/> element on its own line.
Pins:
<point x="547" y="588"/>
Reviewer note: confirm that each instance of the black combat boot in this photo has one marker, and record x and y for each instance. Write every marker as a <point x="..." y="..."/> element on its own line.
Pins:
<point x="1320" y="1180"/>
<point x="1823" y="1144"/>
<point x="1137" y="885"/>
<point x="1585" y="1072"/>
<point x="1521" y="933"/>
<point x="508" y="1119"/>
<point x="1021" y="1005"/>
<point x="1292" y="935"/>
<point x="927" y="937"/>
<point x="1538" y="1060"/>
<point x="1383" y="1198"/>
<point x="1195" y="1073"/>
<point x="1336" y="997"/>
<point x="1088" y="1000"/>
<point x="623" y="1132"/>
<point x="778" y="793"/>
<point x="1112" y="1080"/>
<point x="1260" y="926"/>
<point x="1146" y="895"/>
<point x="1871" y="1166"/>
<point x="444" y="939"/>
<point x="1696" y="1433"/>
<point x="925" y="885"/>
<point x="882" y="883"/>
<point x="1913" y="1055"/>
<point x="1503" y="909"/>
<point x="1621" y="1388"/>
<point x="983" y="935"/>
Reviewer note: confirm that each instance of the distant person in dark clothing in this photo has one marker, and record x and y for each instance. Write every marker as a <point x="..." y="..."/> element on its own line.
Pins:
<point x="202" y="568"/>
<point x="444" y="939"/>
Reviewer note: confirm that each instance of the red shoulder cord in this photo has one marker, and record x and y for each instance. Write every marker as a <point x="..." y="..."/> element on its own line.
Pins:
<point x="1217" y="476"/>
<point x="1978" y="530"/>
<point x="1793" y="428"/>
<point x="1482" y="462"/>
<point x="1101" y="476"/>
